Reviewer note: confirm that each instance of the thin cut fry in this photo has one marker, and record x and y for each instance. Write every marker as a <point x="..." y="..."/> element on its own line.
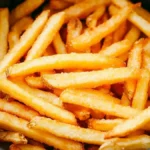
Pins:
<point x="24" y="9"/>
<point x="4" y="29"/>
<point x="45" y="38"/>
<point x="92" y="37"/>
<point x="64" y="61"/>
<point x="13" y="123"/>
<point x="90" y="79"/>
<point x="103" y="103"/>
<point x="130" y="125"/>
<point x="14" y="137"/>
<point x="26" y="41"/>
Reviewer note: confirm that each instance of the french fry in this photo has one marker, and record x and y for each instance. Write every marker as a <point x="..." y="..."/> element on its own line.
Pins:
<point x="91" y="20"/>
<point x="14" y="137"/>
<point x="134" y="143"/>
<point x="107" y="41"/>
<point x="25" y="42"/>
<point x="90" y="79"/>
<point x="92" y="37"/>
<point x="59" y="44"/>
<point x="73" y="132"/>
<point x="40" y="105"/>
<point x="23" y="10"/>
<point x="4" y="29"/>
<point x="66" y="61"/>
<point x="104" y="103"/>
<point x="130" y="125"/>
<point x="13" y="123"/>
<point x="45" y="38"/>
<point x="18" y="109"/>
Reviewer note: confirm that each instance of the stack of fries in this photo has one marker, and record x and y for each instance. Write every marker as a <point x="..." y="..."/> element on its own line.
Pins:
<point x="76" y="76"/>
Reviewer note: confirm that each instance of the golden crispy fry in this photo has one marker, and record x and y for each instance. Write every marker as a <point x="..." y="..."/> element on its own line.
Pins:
<point x="146" y="61"/>
<point x="18" y="109"/>
<point x="45" y="38"/>
<point x="40" y="105"/>
<point x="92" y="20"/>
<point x="104" y="103"/>
<point x="4" y="29"/>
<point x="133" y="143"/>
<point x="84" y="8"/>
<point x="92" y="37"/>
<point x="107" y="41"/>
<point x="73" y="132"/>
<point x="90" y="79"/>
<point x="26" y="41"/>
<point x="64" y="61"/>
<point x="130" y="125"/>
<point x="59" y="45"/>
<point x="14" y="137"/>
<point x="13" y="38"/>
<point x="13" y="123"/>
<point x="24" y="9"/>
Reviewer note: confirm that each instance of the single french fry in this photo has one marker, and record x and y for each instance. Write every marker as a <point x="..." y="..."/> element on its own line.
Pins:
<point x="91" y="20"/>
<point x="92" y="37"/>
<point x="84" y="8"/>
<point x="104" y="103"/>
<point x="137" y="142"/>
<point x="103" y="124"/>
<point x="4" y="29"/>
<point x="73" y="132"/>
<point x="13" y="38"/>
<point x="13" y="123"/>
<point x="18" y="109"/>
<point x="90" y="79"/>
<point x="117" y="48"/>
<point x="25" y="42"/>
<point x="66" y="61"/>
<point x="59" y="45"/>
<point x="40" y="105"/>
<point x="108" y="40"/>
<point x="130" y="125"/>
<point x="14" y="137"/>
<point x="146" y="61"/>
<point x="23" y="10"/>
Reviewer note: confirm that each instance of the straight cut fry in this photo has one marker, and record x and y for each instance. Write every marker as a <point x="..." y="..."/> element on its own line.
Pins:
<point x="40" y="105"/>
<point x="24" y="9"/>
<point x="103" y="103"/>
<point x="13" y="123"/>
<point x="4" y="29"/>
<point x="52" y="26"/>
<point x="14" y="137"/>
<point x="64" y="61"/>
<point x="92" y="37"/>
<point x="26" y="41"/>
<point x="73" y="132"/>
<point x="130" y="125"/>
<point x="90" y="79"/>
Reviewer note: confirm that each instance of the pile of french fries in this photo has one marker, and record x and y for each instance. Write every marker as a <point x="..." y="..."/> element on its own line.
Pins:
<point x="76" y="76"/>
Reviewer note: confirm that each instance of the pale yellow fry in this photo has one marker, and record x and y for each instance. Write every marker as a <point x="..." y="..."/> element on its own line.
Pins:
<point x="102" y="102"/>
<point x="26" y="41"/>
<point x="14" y="137"/>
<point x="24" y="9"/>
<point x="64" y="61"/>
<point x="92" y="37"/>
<point x="130" y="125"/>
<point x="40" y="105"/>
<point x="146" y="61"/>
<point x="91" y="20"/>
<point x="4" y="29"/>
<point x="59" y="45"/>
<point x="141" y="93"/>
<point x="140" y="142"/>
<point x="117" y="48"/>
<point x="52" y="26"/>
<point x="18" y="109"/>
<point x="13" y="38"/>
<point x="63" y="130"/>
<point x="84" y="8"/>
<point x="90" y="79"/>
<point x="13" y="123"/>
